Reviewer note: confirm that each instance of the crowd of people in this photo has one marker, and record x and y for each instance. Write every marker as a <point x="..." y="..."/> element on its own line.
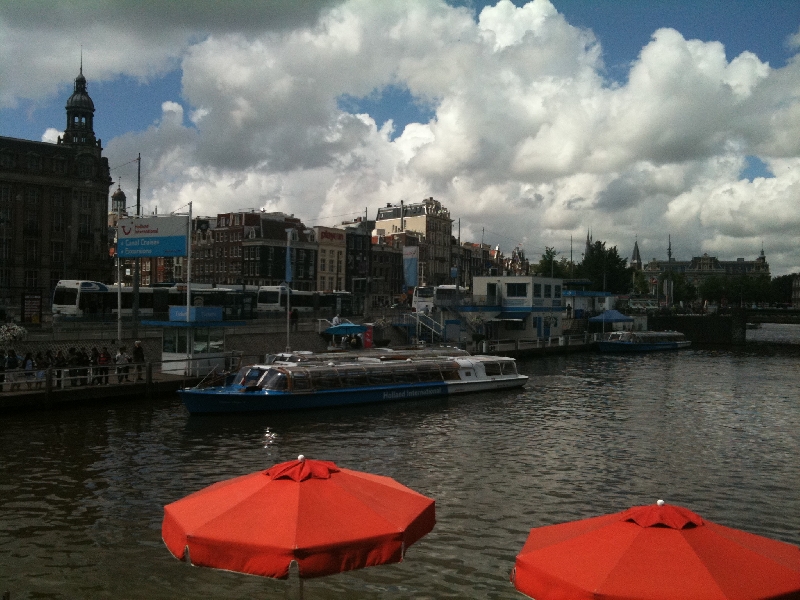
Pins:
<point x="78" y="367"/>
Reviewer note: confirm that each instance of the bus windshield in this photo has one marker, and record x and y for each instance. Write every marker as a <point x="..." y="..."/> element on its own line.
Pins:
<point x="68" y="296"/>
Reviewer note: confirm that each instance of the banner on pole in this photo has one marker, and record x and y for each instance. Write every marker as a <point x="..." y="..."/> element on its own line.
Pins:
<point x="153" y="236"/>
<point x="410" y="265"/>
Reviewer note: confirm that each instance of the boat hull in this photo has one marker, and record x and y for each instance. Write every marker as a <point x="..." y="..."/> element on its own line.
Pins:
<point x="221" y="400"/>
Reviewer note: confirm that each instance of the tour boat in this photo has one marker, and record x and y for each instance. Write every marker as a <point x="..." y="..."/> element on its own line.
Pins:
<point x="308" y="384"/>
<point x="643" y="341"/>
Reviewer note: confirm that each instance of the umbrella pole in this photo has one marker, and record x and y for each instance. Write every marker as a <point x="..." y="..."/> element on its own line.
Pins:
<point x="294" y="584"/>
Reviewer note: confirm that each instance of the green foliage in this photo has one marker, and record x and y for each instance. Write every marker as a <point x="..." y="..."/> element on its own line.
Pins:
<point x="548" y="265"/>
<point x="606" y="269"/>
<point x="781" y="289"/>
<point x="682" y="289"/>
<point x="736" y="291"/>
<point x="640" y="284"/>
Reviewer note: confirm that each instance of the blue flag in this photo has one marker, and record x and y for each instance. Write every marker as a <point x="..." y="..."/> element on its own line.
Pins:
<point x="288" y="265"/>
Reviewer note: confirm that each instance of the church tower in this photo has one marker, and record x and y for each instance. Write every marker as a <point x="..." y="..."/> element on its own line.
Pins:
<point x="80" y="115"/>
<point x="636" y="259"/>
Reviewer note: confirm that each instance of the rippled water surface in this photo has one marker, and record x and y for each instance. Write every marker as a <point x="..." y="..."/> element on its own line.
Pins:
<point x="82" y="490"/>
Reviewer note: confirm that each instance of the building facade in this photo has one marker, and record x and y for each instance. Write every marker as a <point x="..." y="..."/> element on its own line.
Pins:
<point x="432" y="221"/>
<point x="264" y="250"/>
<point x="332" y="246"/>
<point x="700" y="268"/>
<point x="54" y="207"/>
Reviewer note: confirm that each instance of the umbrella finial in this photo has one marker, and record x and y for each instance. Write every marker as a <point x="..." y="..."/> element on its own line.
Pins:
<point x="301" y="458"/>
<point x="660" y="502"/>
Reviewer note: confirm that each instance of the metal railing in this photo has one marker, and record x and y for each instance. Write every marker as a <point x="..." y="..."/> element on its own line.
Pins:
<point x="65" y="377"/>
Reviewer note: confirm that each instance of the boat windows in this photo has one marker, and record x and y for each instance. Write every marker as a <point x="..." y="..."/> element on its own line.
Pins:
<point x="355" y="377"/>
<point x="274" y="380"/>
<point x="428" y="373"/>
<point x="248" y="376"/>
<point x="406" y="375"/>
<point x="326" y="379"/>
<point x="492" y="369"/>
<point x="301" y="381"/>
<point x="381" y="376"/>
<point x="508" y="367"/>
<point x="450" y="372"/>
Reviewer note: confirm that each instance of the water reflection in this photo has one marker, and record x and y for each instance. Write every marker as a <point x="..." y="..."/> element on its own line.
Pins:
<point x="83" y="490"/>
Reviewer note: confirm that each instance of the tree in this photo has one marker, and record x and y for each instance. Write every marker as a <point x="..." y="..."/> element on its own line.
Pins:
<point x="640" y="283"/>
<point x="605" y="268"/>
<point x="781" y="289"/>
<point x="682" y="288"/>
<point x="548" y="265"/>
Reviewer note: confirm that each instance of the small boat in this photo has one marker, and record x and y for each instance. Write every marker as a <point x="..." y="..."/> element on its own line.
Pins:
<point x="643" y="341"/>
<point x="303" y="385"/>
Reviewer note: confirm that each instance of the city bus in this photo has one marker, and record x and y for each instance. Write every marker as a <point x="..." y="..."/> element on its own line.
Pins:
<point x="422" y="299"/>
<point x="91" y="299"/>
<point x="272" y="299"/>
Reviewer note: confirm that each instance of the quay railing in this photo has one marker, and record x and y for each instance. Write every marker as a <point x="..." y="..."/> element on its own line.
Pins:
<point x="75" y="376"/>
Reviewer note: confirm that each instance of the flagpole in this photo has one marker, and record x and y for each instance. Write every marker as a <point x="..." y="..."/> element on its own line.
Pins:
<point x="189" y="352"/>
<point x="288" y="288"/>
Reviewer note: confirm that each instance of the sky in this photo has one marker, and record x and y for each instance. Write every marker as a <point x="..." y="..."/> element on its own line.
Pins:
<point x="535" y="123"/>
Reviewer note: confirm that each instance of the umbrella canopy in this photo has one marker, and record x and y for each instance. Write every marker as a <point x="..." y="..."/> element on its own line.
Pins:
<point x="654" y="552"/>
<point x="346" y="329"/>
<point x="610" y="316"/>
<point x="325" y="518"/>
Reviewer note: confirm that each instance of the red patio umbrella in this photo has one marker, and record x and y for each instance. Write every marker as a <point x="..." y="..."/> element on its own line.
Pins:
<point x="654" y="552"/>
<point x="325" y="518"/>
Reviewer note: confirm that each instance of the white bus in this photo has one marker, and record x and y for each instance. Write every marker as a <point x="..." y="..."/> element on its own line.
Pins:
<point x="422" y="298"/>
<point x="272" y="299"/>
<point x="75" y="299"/>
<point x="448" y="295"/>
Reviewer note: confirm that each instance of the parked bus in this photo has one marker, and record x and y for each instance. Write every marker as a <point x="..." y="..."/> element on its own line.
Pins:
<point x="272" y="300"/>
<point x="448" y="295"/>
<point x="91" y="299"/>
<point x="422" y="298"/>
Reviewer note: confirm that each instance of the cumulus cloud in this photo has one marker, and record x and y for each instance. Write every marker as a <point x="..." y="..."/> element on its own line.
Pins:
<point x="529" y="141"/>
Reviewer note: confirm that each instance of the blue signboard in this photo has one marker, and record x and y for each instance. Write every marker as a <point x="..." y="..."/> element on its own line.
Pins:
<point x="145" y="237"/>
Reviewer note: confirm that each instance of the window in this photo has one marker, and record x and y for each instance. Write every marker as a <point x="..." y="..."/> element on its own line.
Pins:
<point x="84" y="251"/>
<point x="84" y="166"/>
<point x="31" y="251"/>
<point x="57" y="221"/>
<point x="31" y="279"/>
<point x="537" y="290"/>
<point x="516" y="290"/>
<point x="57" y="253"/>
<point x="557" y="290"/>
<point x="548" y="290"/>
<point x="84" y="224"/>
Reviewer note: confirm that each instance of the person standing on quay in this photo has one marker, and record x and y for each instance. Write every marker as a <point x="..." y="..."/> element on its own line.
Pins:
<point x="104" y="360"/>
<point x="122" y="359"/>
<point x="138" y="359"/>
<point x="294" y="316"/>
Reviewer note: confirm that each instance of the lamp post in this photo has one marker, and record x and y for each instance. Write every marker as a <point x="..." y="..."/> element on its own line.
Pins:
<point x="288" y="287"/>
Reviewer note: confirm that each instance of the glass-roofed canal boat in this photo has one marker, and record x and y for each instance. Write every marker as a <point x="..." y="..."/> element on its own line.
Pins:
<point x="310" y="384"/>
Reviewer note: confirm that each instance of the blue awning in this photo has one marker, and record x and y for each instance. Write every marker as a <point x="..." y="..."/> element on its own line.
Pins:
<point x="610" y="316"/>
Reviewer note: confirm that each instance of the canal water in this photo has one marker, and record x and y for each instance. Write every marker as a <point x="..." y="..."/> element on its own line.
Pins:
<point x="82" y="490"/>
